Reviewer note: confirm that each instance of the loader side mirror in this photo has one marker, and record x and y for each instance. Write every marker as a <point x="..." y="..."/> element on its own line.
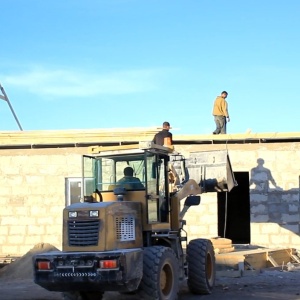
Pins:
<point x="192" y="201"/>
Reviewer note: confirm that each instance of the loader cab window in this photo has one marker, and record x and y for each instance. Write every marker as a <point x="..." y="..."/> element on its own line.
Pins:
<point x="150" y="170"/>
<point x="130" y="173"/>
<point x="106" y="173"/>
<point x="157" y="187"/>
<point x="90" y="166"/>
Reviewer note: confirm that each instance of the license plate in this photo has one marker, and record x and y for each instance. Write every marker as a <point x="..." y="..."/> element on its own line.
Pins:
<point x="76" y="274"/>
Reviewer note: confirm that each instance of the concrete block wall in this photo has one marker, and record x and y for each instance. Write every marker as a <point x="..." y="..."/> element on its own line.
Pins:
<point x="275" y="214"/>
<point x="32" y="197"/>
<point x="275" y="209"/>
<point x="201" y="220"/>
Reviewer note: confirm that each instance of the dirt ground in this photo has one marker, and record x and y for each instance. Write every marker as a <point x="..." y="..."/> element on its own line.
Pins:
<point x="265" y="286"/>
<point x="16" y="283"/>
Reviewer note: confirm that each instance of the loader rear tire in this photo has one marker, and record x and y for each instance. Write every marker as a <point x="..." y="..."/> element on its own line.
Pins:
<point x="160" y="274"/>
<point x="201" y="266"/>
<point x="82" y="295"/>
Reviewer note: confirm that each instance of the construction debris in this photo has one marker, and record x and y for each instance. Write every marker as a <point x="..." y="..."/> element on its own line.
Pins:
<point x="244" y="262"/>
<point x="21" y="268"/>
<point x="5" y="260"/>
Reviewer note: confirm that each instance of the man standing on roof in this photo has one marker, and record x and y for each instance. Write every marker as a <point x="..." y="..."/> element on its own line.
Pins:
<point x="164" y="137"/>
<point x="220" y="113"/>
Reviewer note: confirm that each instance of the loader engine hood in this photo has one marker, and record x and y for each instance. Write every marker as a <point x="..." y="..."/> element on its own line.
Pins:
<point x="102" y="226"/>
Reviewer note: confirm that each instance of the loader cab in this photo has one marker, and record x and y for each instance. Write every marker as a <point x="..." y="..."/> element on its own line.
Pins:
<point x="103" y="174"/>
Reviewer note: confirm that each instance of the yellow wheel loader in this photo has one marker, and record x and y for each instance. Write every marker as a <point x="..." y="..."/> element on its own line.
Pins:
<point x="130" y="238"/>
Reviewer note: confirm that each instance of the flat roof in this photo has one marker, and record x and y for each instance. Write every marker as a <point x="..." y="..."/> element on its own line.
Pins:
<point x="124" y="136"/>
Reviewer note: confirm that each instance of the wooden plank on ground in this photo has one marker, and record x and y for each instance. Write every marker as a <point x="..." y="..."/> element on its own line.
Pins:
<point x="279" y="257"/>
<point x="255" y="259"/>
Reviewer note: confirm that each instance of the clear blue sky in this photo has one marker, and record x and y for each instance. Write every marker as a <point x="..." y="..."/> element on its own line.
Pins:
<point x="87" y="64"/>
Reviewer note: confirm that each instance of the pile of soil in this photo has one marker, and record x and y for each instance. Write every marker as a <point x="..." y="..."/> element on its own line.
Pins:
<point x="22" y="268"/>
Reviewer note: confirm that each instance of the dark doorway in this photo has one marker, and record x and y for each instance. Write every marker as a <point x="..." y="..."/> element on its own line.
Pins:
<point x="234" y="211"/>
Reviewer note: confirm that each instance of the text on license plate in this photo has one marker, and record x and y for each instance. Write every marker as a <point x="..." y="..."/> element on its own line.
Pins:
<point x="76" y="274"/>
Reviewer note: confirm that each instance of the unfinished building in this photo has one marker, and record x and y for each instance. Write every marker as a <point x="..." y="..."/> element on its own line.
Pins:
<point x="41" y="174"/>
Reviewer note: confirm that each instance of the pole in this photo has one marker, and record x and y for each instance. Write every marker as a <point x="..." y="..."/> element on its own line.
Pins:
<point x="5" y="98"/>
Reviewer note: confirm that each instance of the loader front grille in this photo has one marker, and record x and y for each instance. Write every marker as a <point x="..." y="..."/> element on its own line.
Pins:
<point x="125" y="228"/>
<point x="83" y="233"/>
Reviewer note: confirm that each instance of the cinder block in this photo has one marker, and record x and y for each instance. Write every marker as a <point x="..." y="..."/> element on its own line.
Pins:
<point x="207" y="220"/>
<point x="260" y="239"/>
<point x="23" y="249"/>
<point x="295" y="241"/>
<point x="259" y="209"/>
<point x="53" y="229"/>
<point x="21" y="210"/>
<point x="259" y="218"/>
<point x="294" y="208"/>
<point x="3" y="239"/>
<point x="289" y="228"/>
<point x="291" y="218"/>
<point x="9" y="220"/>
<point x="33" y="240"/>
<point x="6" y="210"/>
<point x="12" y="250"/>
<point x="283" y="240"/>
<point x="55" y="240"/>
<point x="26" y="220"/>
<point x="36" y="230"/>
<point x="192" y="218"/>
<point x="44" y="220"/>
<point x="16" y="239"/>
<point x="6" y="188"/>
<point x="255" y="228"/>
<point x="257" y="197"/>
<point x="3" y="230"/>
<point x="32" y="200"/>
<point x="16" y="230"/>
<point x="271" y="228"/>
<point x="203" y="230"/>
<point x="213" y="230"/>
<point x="56" y="210"/>
<point x="34" y="180"/>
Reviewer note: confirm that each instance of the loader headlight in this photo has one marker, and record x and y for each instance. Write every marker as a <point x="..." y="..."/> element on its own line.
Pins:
<point x="72" y="214"/>
<point x="94" y="213"/>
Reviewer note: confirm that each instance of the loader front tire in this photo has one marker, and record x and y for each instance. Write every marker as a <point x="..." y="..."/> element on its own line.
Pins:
<point x="160" y="274"/>
<point x="201" y="266"/>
